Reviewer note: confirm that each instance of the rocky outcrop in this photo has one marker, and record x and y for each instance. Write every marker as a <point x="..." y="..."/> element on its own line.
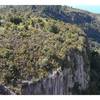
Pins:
<point x="40" y="48"/>
<point x="5" y="91"/>
<point x="71" y="78"/>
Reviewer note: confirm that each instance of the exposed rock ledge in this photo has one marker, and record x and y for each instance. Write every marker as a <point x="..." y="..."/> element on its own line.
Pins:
<point x="69" y="79"/>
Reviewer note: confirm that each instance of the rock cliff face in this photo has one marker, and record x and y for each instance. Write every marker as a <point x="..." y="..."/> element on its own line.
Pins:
<point x="5" y="91"/>
<point x="71" y="78"/>
<point x="51" y="56"/>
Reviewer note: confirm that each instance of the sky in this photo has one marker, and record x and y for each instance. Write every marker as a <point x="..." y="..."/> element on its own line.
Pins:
<point x="91" y="8"/>
<point x="90" y="5"/>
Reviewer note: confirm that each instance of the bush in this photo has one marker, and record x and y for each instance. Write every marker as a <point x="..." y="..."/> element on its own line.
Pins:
<point x="12" y="75"/>
<point x="5" y="53"/>
<point x="16" y="20"/>
<point x="54" y="29"/>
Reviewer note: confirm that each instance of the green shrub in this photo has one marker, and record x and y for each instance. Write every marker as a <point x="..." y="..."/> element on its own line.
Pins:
<point x="54" y="29"/>
<point x="5" y="53"/>
<point x="16" y="20"/>
<point x="12" y="75"/>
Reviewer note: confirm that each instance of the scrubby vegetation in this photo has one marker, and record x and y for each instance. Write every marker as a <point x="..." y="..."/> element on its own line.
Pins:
<point x="30" y="46"/>
<point x="34" y="41"/>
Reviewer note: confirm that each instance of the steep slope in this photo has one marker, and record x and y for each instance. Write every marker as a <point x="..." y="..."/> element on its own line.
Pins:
<point x="71" y="78"/>
<point x="38" y="50"/>
<point x="89" y="22"/>
<point x="98" y="16"/>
